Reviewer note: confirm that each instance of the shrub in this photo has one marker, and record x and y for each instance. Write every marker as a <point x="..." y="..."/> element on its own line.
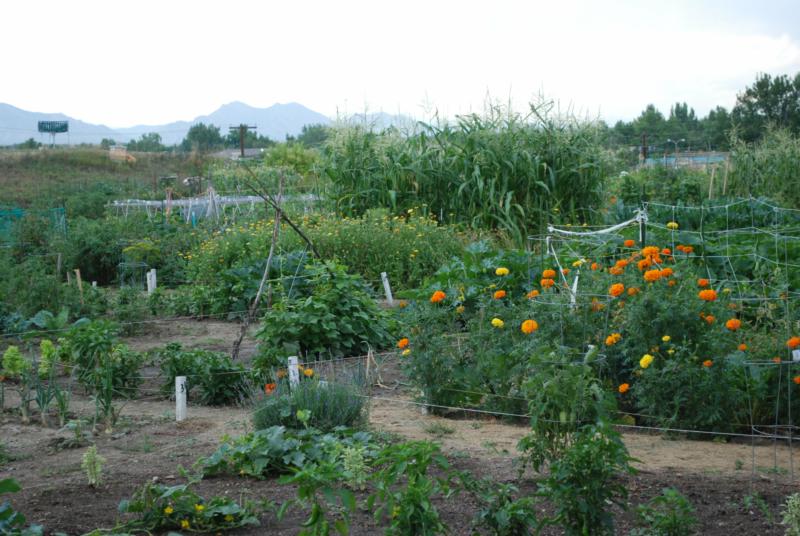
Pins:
<point x="669" y="514"/>
<point x="584" y="482"/>
<point x="221" y="381"/>
<point x="791" y="515"/>
<point x="330" y="406"/>
<point x="338" y="318"/>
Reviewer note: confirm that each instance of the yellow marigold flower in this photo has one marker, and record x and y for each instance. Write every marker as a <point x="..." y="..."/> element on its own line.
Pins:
<point x="671" y="351"/>
<point x="646" y="361"/>
<point x="548" y="274"/>
<point x="168" y="510"/>
<point x="199" y="507"/>
<point x="623" y="388"/>
<point x="402" y="343"/>
<point x="228" y="518"/>
<point x="502" y="271"/>
<point x="308" y="372"/>
<point x="496" y="322"/>
<point x="672" y="225"/>
<point x="666" y="338"/>
<point x="579" y="262"/>
<point x="403" y="304"/>
<point x="184" y="523"/>
<point x="529" y="326"/>
<point x="438" y="296"/>
<point x="406" y="352"/>
<point x="460" y="309"/>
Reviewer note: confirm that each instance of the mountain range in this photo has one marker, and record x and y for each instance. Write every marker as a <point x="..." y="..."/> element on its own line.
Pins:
<point x="276" y="122"/>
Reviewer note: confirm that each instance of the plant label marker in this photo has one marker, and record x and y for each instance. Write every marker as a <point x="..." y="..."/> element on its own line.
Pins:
<point x="151" y="281"/>
<point x="294" y="373"/>
<point x="387" y="288"/>
<point x="180" y="398"/>
<point x="795" y="355"/>
<point x="94" y="284"/>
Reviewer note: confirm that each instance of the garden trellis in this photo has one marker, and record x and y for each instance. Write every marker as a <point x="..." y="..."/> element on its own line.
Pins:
<point x="746" y="251"/>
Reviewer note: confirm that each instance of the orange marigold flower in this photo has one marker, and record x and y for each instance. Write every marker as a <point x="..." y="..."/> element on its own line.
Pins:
<point x="438" y="296"/>
<point x="270" y="388"/>
<point x="793" y="343"/>
<point x="499" y="294"/>
<point x="733" y="324"/>
<point x="707" y="363"/>
<point x="710" y="319"/>
<point x="616" y="270"/>
<point x="644" y="264"/>
<point x="565" y="271"/>
<point x="280" y="374"/>
<point x="672" y="282"/>
<point x="594" y="266"/>
<point x="796" y="380"/>
<point x="532" y="294"/>
<point x="708" y="295"/>
<point x="402" y="343"/>
<point x="529" y="326"/>
<point x="633" y="291"/>
<point x="623" y="388"/>
<point x="597" y="306"/>
<point x="650" y="251"/>
<point x="629" y="243"/>
<point x="702" y="282"/>
<point x="666" y="272"/>
<point x="616" y="289"/>
<point x="613" y="339"/>
<point x="776" y="360"/>
<point x="622" y="263"/>
<point x="652" y="275"/>
<point x="743" y="347"/>
<point x="547" y="283"/>
<point x="548" y="274"/>
<point x="666" y="251"/>
<point x="688" y="249"/>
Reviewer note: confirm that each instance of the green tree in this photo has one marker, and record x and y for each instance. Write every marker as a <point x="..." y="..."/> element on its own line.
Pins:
<point x="313" y="136"/>
<point x="105" y="143"/>
<point x="150" y="142"/>
<point x="716" y="126"/>
<point x="769" y="100"/>
<point x="203" y="138"/>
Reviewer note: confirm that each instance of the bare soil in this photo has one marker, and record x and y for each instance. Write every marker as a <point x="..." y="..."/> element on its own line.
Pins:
<point x="148" y="445"/>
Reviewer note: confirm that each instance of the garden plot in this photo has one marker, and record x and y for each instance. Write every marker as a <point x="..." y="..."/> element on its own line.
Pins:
<point x="731" y="484"/>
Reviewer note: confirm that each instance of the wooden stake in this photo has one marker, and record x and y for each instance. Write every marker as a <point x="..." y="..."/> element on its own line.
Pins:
<point x="180" y="398"/>
<point x="80" y="283"/>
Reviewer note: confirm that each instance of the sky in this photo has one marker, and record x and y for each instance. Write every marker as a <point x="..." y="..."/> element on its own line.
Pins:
<point x="151" y="62"/>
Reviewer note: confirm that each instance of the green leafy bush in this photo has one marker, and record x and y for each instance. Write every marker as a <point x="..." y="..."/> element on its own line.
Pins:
<point x="584" y="481"/>
<point x="338" y="318"/>
<point x="330" y="405"/>
<point x="13" y="522"/>
<point x="668" y="514"/>
<point x="503" y="514"/>
<point x="161" y="508"/>
<point x="220" y="381"/>
<point x="277" y="450"/>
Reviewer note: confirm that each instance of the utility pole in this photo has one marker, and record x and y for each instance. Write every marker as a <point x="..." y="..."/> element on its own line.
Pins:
<point x="242" y="128"/>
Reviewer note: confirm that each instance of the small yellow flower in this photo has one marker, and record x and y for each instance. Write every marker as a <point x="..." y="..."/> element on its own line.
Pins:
<point x="395" y="511"/>
<point x="228" y="518"/>
<point x="199" y="507"/>
<point x="184" y="523"/>
<point x="496" y="322"/>
<point x="460" y="309"/>
<point x="666" y="338"/>
<point x="406" y="352"/>
<point x="672" y="225"/>
<point x="502" y="271"/>
<point x="646" y="361"/>
<point x="308" y="372"/>
<point x="671" y="351"/>
<point x="168" y="510"/>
